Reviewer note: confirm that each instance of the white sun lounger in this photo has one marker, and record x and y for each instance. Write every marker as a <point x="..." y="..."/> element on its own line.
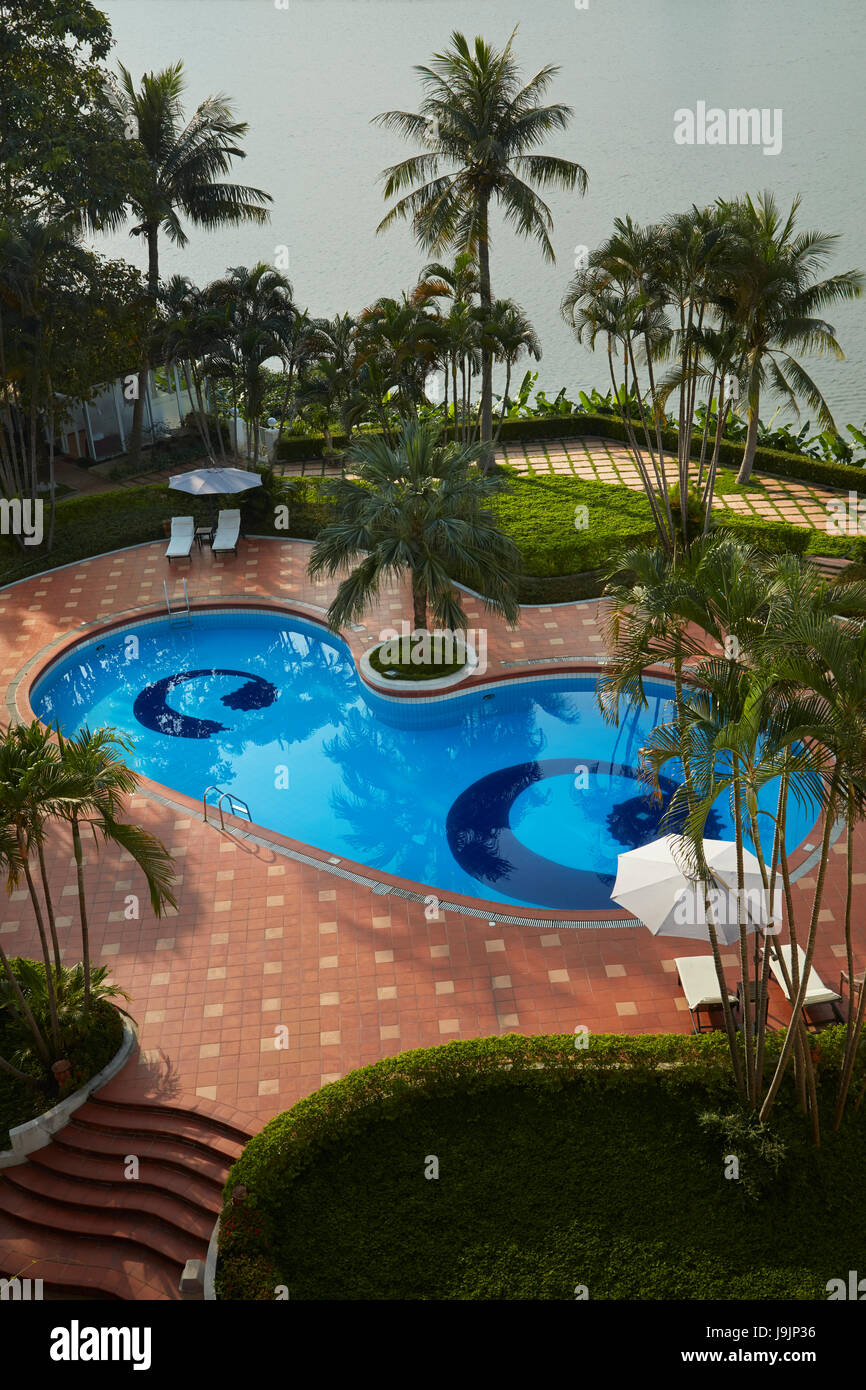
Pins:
<point x="697" y="975"/>
<point x="182" y="537"/>
<point x="821" y="1005"/>
<point x="227" y="532"/>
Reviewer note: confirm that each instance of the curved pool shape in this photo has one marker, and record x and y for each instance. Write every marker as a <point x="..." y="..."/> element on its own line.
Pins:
<point x="520" y="795"/>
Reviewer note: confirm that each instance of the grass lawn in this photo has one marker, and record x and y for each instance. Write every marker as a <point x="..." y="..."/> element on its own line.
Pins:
<point x="609" y="1186"/>
<point x="539" y="513"/>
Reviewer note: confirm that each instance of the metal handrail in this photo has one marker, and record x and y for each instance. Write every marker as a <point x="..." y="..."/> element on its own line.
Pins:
<point x="234" y="802"/>
<point x="177" y="612"/>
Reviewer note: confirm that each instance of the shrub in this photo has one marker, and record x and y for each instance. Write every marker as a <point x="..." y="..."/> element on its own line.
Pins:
<point x="759" y="1151"/>
<point x="559" y="1165"/>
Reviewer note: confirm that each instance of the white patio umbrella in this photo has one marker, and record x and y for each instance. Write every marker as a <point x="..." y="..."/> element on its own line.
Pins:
<point x="655" y="883"/>
<point x="212" y="481"/>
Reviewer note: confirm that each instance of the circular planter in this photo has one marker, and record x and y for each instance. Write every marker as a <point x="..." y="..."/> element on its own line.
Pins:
<point x="37" y="1134"/>
<point x="372" y="676"/>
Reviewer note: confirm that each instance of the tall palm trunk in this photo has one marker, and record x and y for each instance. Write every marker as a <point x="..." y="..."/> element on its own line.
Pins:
<point x="486" y="297"/>
<point x="797" y="1004"/>
<point x="39" y="1041"/>
<point x="748" y="462"/>
<point x="43" y="939"/>
<point x="419" y="602"/>
<point x="49" y="907"/>
<point x="82" y="909"/>
<point x="855" y="1019"/>
<point x="137" y="429"/>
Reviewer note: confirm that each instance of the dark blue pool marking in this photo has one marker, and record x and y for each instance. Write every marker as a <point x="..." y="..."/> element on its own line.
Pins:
<point x="151" y="709"/>
<point x="484" y="845"/>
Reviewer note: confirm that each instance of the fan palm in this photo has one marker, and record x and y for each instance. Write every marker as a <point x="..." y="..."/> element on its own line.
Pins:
<point x="479" y="118"/>
<point x="419" y="507"/>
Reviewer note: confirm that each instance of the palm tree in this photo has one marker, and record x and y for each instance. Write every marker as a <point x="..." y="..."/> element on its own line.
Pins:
<point x="328" y="384"/>
<point x="43" y="269"/>
<point x="258" y="313"/>
<point x="403" y="339"/>
<point x="510" y="334"/>
<point x="29" y="784"/>
<point x="482" y="120"/>
<point x="179" y="169"/>
<point x="189" y="332"/>
<point x="418" y="508"/>
<point x="459" y="285"/>
<point x="10" y="860"/>
<point x="96" y="782"/>
<point x="778" y="303"/>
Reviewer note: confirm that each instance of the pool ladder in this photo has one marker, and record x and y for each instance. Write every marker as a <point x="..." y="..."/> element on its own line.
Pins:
<point x="182" y="614"/>
<point x="235" y="802"/>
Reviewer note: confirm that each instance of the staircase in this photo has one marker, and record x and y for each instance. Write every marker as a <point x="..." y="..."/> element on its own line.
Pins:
<point x="68" y="1215"/>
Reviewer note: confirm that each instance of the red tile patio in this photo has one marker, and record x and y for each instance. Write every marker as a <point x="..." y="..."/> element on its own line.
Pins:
<point x="262" y="942"/>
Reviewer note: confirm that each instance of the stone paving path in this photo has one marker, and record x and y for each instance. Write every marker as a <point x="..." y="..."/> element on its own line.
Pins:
<point x="604" y="461"/>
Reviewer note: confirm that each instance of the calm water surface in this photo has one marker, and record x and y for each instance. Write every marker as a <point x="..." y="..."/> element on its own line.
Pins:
<point x="309" y="79"/>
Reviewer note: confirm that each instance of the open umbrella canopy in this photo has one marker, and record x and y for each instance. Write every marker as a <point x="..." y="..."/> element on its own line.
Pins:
<point x="657" y="884"/>
<point x="212" y="481"/>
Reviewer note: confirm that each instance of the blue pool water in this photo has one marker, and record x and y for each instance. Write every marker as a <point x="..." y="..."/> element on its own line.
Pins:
<point x="521" y="794"/>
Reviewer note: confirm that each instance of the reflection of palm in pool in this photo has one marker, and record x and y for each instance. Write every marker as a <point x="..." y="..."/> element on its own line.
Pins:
<point x="152" y="710"/>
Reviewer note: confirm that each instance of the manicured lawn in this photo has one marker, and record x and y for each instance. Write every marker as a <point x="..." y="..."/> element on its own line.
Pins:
<point x="610" y="1187"/>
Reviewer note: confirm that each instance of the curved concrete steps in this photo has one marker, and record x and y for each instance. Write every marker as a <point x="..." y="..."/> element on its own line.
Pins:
<point x="72" y="1217"/>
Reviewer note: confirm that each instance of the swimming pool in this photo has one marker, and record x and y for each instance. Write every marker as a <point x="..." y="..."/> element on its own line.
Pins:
<point x="516" y="794"/>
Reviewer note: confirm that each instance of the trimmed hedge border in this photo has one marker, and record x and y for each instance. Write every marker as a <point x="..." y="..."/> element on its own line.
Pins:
<point x="797" y="467"/>
<point x="290" y="1142"/>
<point x="674" y="1066"/>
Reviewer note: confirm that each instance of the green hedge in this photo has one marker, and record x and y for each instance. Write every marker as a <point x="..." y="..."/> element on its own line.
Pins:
<point x="559" y="1165"/>
<point x="105" y="521"/>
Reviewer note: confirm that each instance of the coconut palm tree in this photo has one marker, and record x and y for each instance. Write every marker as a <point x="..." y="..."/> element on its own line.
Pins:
<point x="419" y="508"/>
<point x="96" y="784"/>
<point x="778" y="303"/>
<point x="484" y="124"/>
<point x="179" y="168"/>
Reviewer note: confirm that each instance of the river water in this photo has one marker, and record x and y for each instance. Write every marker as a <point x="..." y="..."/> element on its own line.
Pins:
<point x="309" y="78"/>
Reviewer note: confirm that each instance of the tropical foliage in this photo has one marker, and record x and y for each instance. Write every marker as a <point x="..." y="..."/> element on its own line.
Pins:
<point x="80" y="782"/>
<point x="713" y="297"/>
<point x="769" y="667"/>
<point x="420" y="508"/>
<point x="479" y="126"/>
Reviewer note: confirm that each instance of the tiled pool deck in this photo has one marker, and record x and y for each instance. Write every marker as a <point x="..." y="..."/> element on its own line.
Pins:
<point x="263" y="940"/>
